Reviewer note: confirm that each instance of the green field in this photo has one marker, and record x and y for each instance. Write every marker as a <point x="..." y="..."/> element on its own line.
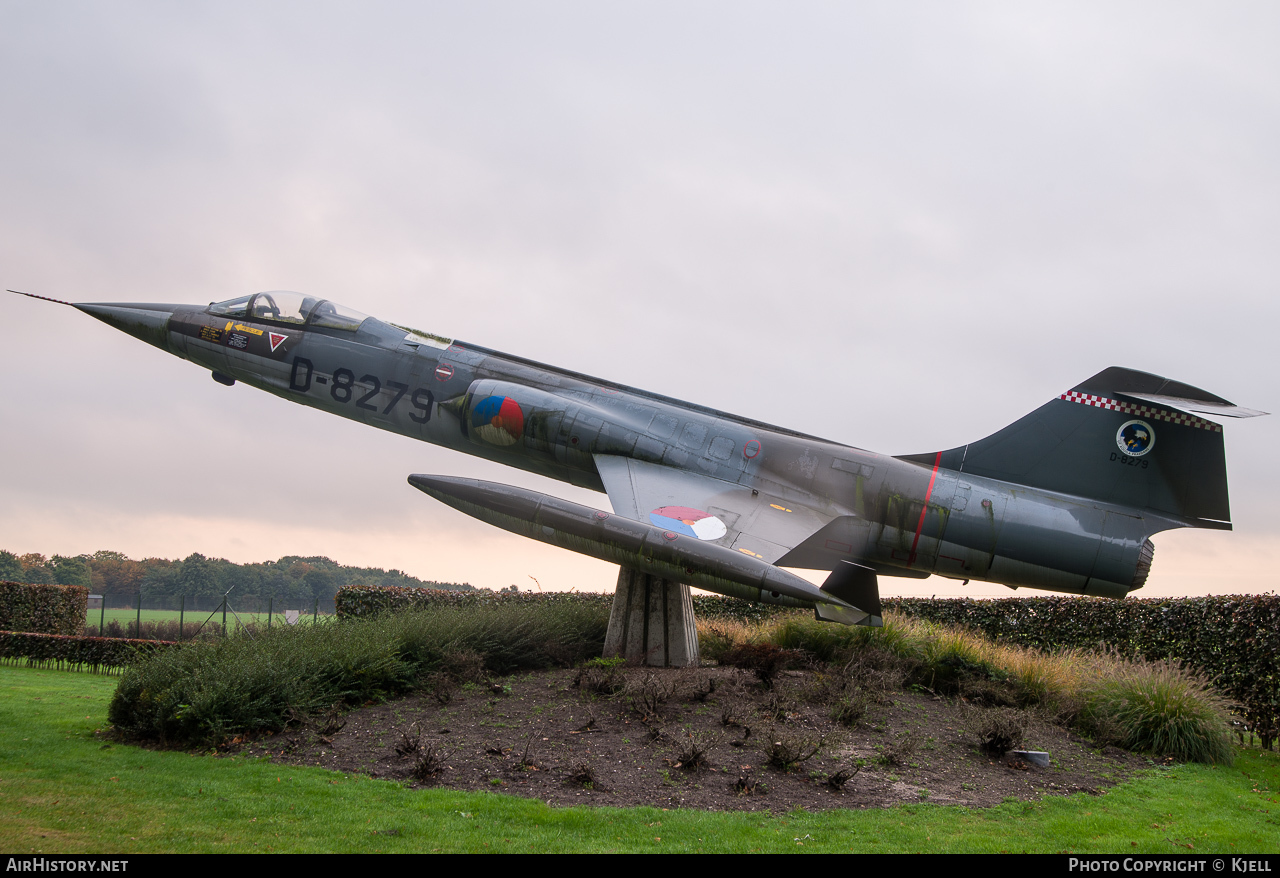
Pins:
<point x="127" y="617"/>
<point x="63" y="790"/>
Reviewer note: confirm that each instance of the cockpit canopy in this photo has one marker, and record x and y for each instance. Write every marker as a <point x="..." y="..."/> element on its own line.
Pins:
<point x="283" y="306"/>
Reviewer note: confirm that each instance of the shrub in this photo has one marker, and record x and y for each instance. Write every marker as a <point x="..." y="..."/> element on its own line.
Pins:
<point x="764" y="660"/>
<point x="900" y="750"/>
<point x="998" y="729"/>
<point x="204" y="692"/>
<point x="692" y="749"/>
<point x="43" y="609"/>
<point x="410" y="741"/>
<point x="510" y="636"/>
<point x="582" y="775"/>
<point x="427" y="764"/>
<point x="899" y="636"/>
<point x="162" y="629"/>
<point x="716" y="638"/>
<point x="599" y="679"/>
<point x="851" y="709"/>
<point x="877" y="671"/>
<point x="648" y="693"/>
<point x="955" y="656"/>
<point x="785" y="751"/>
<point x="838" y="780"/>
<point x="824" y="641"/>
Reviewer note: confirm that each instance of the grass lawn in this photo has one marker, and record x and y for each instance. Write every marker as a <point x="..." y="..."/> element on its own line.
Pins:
<point x="63" y="790"/>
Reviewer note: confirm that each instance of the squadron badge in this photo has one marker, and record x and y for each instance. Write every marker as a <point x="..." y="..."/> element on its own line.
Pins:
<point x="1135" y="438"/>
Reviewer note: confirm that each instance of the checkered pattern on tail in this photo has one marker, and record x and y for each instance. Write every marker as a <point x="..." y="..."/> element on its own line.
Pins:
<point x="1141" y="411"/>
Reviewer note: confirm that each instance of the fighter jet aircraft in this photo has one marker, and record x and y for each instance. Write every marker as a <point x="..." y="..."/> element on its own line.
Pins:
<point x="1065" y="499"/>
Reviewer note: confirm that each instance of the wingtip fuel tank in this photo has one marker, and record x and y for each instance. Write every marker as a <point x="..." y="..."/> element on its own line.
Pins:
<point x="619" y="540"/>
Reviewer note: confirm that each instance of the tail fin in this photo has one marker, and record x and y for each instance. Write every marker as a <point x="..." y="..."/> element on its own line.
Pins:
<point x="1122" y="437"/>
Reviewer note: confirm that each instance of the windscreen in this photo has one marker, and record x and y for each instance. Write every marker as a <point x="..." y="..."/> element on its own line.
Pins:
<point x="232" y="307"/>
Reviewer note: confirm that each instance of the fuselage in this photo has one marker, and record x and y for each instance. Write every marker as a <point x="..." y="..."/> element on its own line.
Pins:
<point x="900" y="517"/>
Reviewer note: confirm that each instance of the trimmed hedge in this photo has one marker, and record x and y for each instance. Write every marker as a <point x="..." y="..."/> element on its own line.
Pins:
<point x="75" y="653"/>
<point x="363" y="601"/>
<point x="47" y="609"/>
<point x="1234" y="640"/>
<point x="713" y="606"/>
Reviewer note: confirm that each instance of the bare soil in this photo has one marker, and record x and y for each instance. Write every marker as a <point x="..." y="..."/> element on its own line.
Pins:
<point x="708" y="738"/>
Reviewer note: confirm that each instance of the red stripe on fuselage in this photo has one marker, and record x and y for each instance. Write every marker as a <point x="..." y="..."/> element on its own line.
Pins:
<point x="911" y="559"/>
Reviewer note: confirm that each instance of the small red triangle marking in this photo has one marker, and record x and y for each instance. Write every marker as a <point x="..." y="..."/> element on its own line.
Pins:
<point x="277" y="339"/>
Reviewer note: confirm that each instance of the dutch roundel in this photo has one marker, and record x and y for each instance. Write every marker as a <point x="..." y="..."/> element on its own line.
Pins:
<point x="498" y="420"/>
<point x="689" y="522"/>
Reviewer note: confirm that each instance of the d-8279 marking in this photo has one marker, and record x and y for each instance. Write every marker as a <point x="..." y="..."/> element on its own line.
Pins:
<point x="344" y="383"/>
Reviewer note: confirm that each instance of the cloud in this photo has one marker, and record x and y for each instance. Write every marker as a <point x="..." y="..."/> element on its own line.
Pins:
<point x="938" y="217"/>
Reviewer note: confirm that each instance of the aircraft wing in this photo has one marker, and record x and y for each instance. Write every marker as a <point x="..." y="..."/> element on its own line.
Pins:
<point x="752" y="520"/>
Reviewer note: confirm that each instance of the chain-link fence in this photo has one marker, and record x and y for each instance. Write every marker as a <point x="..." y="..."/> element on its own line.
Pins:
<point x="184" y="617"/>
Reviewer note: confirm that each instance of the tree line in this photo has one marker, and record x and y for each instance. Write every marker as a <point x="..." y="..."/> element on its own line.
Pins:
<point x="293" y="578"/>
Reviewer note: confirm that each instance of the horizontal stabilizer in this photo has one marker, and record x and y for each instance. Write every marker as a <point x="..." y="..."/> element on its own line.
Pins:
<point x="1221" y="409"/>
<point x="856" y="585"/>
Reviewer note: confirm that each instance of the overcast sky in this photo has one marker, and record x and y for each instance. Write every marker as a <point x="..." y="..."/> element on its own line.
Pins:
<point x="896" y="225"/>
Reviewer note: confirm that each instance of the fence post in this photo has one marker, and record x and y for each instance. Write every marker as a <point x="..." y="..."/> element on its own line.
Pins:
<point x="182" y="610"/>
<point x="137" y="628"/>
<point x="315" y="612"/>
<point x="271" y="603"/>
<point x="224" y="615"/>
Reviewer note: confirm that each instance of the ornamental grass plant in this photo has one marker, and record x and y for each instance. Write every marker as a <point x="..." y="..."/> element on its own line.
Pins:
<point x="1153" y="707"/>
<point x="1157" y="707"/>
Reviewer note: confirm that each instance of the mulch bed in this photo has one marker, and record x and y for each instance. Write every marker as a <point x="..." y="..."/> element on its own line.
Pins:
<point x="708" y="738"/>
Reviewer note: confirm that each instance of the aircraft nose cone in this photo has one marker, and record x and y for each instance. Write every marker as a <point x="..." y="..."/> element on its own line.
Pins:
<point x="146" y="322"/>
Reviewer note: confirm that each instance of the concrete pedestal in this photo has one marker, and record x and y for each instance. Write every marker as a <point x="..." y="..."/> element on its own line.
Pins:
<point x="652" y="622"/>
